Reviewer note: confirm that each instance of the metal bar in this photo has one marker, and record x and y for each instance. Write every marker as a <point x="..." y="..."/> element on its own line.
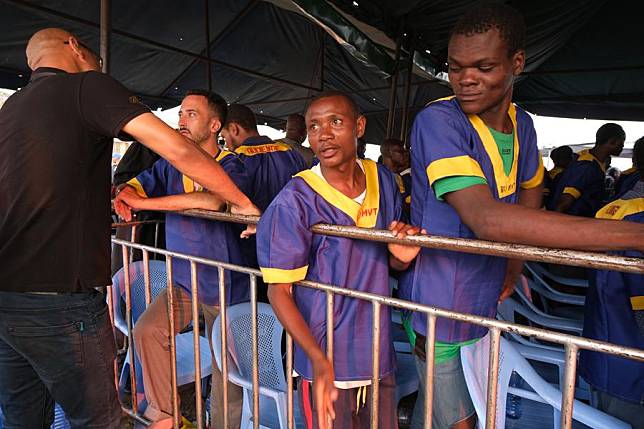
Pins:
<point x="405" y="113"/>
<point x="430" y="356"/>
<point x="568" y="387"/>
<point x="375" y="362"/>
<point x="392" y="90"/>
<point x="289" y="382"/>
<point x="146" y="278"/>
<point x="255" y="339"/>
<point x="135" y="222"/>
<point x="330" y="325"/>
<point x="538" y="333"/>
<point x="224" y="343"/>
<point x="173" y="345"/>
<point x="509" y="250"/>
<point x="136" y="416"/>
<point x="156" y="235"/>
<point x="105" y="31"/>
<point x="128" y="318"/>
<point x="197" y="341"/>
<point x="110" y="308"/>
<point x="207" y="31"/>
<point x="133" y="239"/>
<point x="492" y="378"/>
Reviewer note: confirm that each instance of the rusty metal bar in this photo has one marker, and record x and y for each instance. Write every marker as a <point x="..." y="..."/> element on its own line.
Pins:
<point x="105" y="31"/>
<point x="289" y="382"/>
<point x="224" y="343"/>
<point x="128" y="319"/>
<point x="207" y="31"/>
<point x="329" y="337"/>
<point x="173" y="345"/>
<point x="492" y="378"/>
<point x="194" y="289"/>
<point x="255" y="340"/>
<point x="133" y="239"/>
<point x="568" y="387"/>
<point x="430" y="356"/>
<point x="593" y="260"/>
<point x="375" y="362"/>
<point x="392" y="91"/>
<point x="110" y="308"/>
<point x="134" y="222"/>
<point x="146" y="278"/>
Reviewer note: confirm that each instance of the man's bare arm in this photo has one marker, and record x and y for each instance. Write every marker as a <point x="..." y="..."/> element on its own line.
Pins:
<point x="189" y="159"/>
<point x="514" y="223"/>
<point x="191" y="200"/>
<point x="565" y="203"/>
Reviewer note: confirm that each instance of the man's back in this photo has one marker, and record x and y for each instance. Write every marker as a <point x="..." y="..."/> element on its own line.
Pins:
<point x="55" y="180"/>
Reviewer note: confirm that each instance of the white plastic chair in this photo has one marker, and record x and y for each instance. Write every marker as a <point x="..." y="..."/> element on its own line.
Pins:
<point x="475" y="367"/>
<point x="272" y="382"/>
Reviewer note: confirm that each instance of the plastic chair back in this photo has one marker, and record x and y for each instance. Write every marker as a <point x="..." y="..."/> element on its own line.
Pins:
<point x="475" y="367"/>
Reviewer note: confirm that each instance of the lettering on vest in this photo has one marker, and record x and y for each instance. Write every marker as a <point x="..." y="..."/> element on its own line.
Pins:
<point x="253" y="150"/>
<point x="507" y="189"/>
<point x="613" y="210"/>
<point x="368" y="212"/>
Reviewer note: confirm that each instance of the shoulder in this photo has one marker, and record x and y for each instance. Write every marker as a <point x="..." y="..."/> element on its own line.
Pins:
<point x="523" y="118"/>
<point x="631" y="209"/>
<point x="96" y="80"/>
<point x="446" y="108"/>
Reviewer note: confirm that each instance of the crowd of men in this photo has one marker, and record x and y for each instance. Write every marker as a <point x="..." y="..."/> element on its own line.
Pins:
<point x="473" y="170"/>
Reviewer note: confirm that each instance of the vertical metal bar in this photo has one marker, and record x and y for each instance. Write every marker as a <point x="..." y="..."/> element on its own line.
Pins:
<point x="224" y="342"/>
<point x="209" y="63"/>
<point x="146" y="278"/>
<point x="128" y="318"/>
<point x="133" y="240"/>
<point x="329" y="338"/>
<point x="105" y="32"/>
<point x="405" y="112"/>
<point x="568" y="387"/>
<point x="156" y="236"/>
<point x="255" y="339"/>
<point x="197" y="341"/>
<point x="375" y="358"/>
<point x="430" y="356"/>
<point x="492" y="378"/>
<point x="392" y="91"/>
<point x="173" y="345"/>
<point x="289" y="382"/>
<point x="110" y="308"/>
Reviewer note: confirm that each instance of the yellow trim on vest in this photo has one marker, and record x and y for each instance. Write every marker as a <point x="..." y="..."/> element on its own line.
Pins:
<point x="190" y="185"/>
<point x="263" y="148"/>
<point x="408" y="199"/>
<point x="637" y="303"/>
<point x="364" y="215"/>
<point x="506" y="184"/>
<point x="556" y="171"/>
<point x="585" y="155"/>
<point x="537" y="179"/>
<point x="138" y="187"/>
<point x="619" y="209"/>
<point x="399" y="182"/>
<point x="278" y="275"/>
<point x="222" y="154"/>
<point x="449" y="97"/>
<point x="455" y="166"/>
<point x="573" y="192"/>
<point x="629" y="171"/>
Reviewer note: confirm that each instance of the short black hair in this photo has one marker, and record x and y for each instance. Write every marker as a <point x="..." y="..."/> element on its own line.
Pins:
<point x="608" y="132"/>
<point x="638" y="154"/>
<point x="333" y="93"/>
<point x="387" y="144"/>
<point x="484" y="17"/>
<point x="242" y="116"/>
<point x="215" y="101"/>
<point x="561" y="154"/>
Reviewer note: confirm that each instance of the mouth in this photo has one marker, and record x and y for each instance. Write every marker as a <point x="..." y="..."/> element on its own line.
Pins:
<point x="468" y="97"/>
<point x="328" y="152"/>
<point x="184" y="132"/>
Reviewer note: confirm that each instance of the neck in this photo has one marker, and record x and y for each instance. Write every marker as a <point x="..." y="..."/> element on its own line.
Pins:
<point x="599" y="153"/>
<point x="497" y="117"/>
<point x="58" y="63"/>
<point x="347" y="178"/>
<point x="210" y="146"/>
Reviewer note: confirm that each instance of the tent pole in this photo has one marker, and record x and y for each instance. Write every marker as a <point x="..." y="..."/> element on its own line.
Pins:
<point x="209" y="62"/>
<point x="405" y="112"/>
<point x="392" y="90"/>
<point x="105" y="32"/>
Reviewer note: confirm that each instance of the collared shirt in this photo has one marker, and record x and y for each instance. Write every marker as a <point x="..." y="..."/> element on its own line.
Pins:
<point x="289" y="252"/>
<point x="199" y="237"/>
<point x="447" y="143"/>
<point x="55" y="156"/>
<point x="306" y="153"/>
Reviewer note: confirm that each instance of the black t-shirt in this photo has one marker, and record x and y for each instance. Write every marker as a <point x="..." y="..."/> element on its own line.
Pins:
<point x="55" y="159"/>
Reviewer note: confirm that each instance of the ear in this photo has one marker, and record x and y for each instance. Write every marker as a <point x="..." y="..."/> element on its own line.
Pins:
<point x="215" y="126"/>
<point x="361" y="125"/>
<point x="234" y="128"/>
<point x="518" y="62"/>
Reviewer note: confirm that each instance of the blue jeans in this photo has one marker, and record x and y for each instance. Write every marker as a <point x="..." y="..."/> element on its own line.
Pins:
<point x="57" y="348"/>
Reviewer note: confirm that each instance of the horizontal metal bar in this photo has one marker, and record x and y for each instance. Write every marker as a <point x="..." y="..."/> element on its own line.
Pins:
<point x="481" y="247"/>
<point x="135" y="222"/>
<point x="542" y="334"/>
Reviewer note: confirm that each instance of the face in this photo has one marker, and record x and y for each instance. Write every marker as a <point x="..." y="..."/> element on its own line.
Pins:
<point x="296" y="128"/>
<point x="616" y="146"/>
<point x="197" y="122"/>
<point x="482" y="73"/>
<point x="231" y="136"/>
<point x="333" y="130"/>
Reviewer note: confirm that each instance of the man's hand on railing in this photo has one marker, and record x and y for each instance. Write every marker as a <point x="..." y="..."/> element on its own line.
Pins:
<point x="123" y="206"/>
<point x="248" y="210"/>
<point x="324" y="391"/>
<point x="402" y="255"/>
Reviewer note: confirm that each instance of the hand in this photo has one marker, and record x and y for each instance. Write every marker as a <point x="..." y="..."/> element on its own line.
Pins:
<point x="324" y="391"/>
<point x="404" y="253"/>
<point x="121" y="207"/>
<point x="248" y="210"/>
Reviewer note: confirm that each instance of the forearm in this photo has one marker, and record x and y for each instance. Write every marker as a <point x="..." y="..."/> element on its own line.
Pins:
<point x="191" y="200"/>
<point x="290" y="317"/>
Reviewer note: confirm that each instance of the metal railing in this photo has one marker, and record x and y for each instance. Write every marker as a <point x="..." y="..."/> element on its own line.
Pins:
<point x="571" y="344"/>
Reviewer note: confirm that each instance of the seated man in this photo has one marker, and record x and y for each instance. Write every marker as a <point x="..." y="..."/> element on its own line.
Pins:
<point x="582" y="189"/>
<point x="341" y="190"/>
<point x="295" y="136"/>
<point x="162" y="187"/>
<point x="615" y="313"/>
<point x="562" y="156"/>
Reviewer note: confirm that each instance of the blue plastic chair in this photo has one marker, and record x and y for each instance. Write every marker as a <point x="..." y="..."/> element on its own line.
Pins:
<point x="184" y="342"/>
<point x="272" y="381"/>
<point x="475" y="358"/>
<point x="539" y="270"/>
<point x="60" y="421"/>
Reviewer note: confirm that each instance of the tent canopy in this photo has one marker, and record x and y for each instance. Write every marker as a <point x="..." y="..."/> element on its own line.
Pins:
<point x="584" y="56"/>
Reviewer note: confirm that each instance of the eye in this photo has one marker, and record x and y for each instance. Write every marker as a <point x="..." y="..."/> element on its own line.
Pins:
<point x="454" y="69"/>
<point x="313" y="127"/>
<point x="337" y="121"/>
<point x="486" y="69"/>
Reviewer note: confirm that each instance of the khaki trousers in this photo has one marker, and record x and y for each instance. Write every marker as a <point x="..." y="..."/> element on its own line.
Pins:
<point x="152" y="343"/>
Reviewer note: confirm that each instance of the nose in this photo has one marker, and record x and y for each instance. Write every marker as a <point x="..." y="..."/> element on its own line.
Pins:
<point x="325" y="132"/>
<point x="467" y="77"/>
<point x="182" y="121"/>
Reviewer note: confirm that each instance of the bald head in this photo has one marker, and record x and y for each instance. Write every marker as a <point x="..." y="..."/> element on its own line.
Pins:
<point x="58" y="48"/>
<point x="296" y="127"/>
